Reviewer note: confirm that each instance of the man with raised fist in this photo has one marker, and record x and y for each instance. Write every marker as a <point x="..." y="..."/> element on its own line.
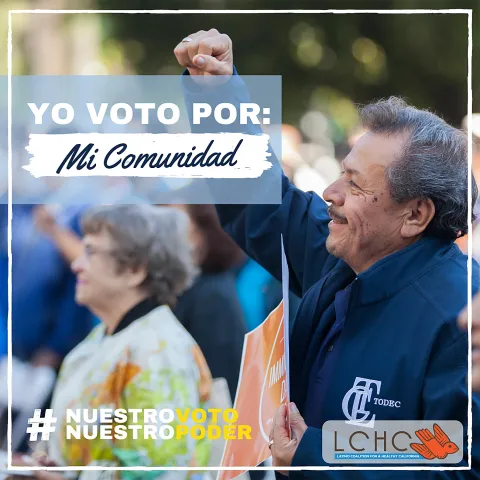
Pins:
<point x="381" y="279"/>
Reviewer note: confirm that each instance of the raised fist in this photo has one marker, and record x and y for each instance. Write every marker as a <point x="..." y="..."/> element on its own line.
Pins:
<point x="206" y="53"/>
<point x="44" y="219"/>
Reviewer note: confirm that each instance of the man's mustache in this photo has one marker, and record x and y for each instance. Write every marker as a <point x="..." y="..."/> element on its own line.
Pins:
<point x="333" y="214"/>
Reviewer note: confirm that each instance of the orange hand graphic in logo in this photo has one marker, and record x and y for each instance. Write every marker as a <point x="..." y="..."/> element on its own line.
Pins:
<point x="433" y="446"/>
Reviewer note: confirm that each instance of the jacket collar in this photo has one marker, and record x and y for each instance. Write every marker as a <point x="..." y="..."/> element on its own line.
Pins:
<point x="137" y="311"/>
<point x="394" y="272"/>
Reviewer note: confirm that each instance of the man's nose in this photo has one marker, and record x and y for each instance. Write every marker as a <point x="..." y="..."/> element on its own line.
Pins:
<point x="335" y="192"/>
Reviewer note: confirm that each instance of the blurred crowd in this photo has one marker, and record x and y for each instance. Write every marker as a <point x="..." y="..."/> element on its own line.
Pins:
<point x="68" y="294"/>
<point x="229" y="295"/>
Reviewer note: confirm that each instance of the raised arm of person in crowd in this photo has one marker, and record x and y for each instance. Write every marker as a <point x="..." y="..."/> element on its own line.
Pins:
<point x="463" y="324"/>
<point x="66" y="240"/>
<point x="302" y="217"/>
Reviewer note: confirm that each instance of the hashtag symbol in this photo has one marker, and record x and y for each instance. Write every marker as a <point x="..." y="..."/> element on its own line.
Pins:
<point x="44" y="425"/>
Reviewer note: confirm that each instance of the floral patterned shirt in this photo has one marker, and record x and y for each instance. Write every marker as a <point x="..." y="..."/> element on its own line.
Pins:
<point x="152" y="363"/>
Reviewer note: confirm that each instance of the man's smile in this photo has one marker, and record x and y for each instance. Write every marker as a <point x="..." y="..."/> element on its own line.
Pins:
<point x="336" y="218"/>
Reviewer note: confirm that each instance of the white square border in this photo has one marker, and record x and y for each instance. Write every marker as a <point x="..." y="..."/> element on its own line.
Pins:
<point x="469" y="12"/>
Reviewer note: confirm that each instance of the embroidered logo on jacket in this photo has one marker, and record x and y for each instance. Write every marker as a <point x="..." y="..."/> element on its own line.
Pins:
<point x="355" y="402"/>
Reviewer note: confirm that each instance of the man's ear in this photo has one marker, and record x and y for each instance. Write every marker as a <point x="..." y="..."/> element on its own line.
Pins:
<point x="418" y="214"/>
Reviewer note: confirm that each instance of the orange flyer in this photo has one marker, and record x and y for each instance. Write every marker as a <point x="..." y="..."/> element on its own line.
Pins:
<point x="263" y="386"/>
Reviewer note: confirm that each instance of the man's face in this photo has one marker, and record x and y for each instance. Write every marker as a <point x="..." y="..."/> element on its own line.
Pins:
<point x="367" y="222"/>
<point x="99" y="280"/>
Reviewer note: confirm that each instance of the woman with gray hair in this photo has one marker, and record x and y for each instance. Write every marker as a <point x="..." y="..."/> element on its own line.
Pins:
<point x="136" y="261"/>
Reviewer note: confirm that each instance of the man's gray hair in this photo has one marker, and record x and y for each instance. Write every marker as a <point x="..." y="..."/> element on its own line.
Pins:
<point x="433" y="163"/>
<point x="156" y="238"/>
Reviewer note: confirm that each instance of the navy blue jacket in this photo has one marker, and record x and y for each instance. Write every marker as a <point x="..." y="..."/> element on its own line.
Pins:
<point x="400" y="326"/>
<point x="211" y="313"/>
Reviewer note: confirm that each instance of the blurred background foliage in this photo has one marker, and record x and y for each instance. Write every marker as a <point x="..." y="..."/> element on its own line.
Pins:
<point x="329" y="63"/>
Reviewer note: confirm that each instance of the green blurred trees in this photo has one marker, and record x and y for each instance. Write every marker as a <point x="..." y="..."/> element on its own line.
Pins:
<point x="327" y="61"/>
